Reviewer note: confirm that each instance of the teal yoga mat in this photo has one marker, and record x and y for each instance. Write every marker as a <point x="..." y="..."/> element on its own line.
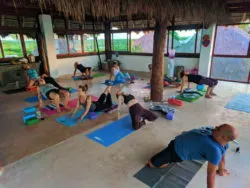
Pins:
<point x="240" y="102"/>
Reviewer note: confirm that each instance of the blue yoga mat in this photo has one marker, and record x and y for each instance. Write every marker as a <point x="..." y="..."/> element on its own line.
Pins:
<point x="240" y="103"/>
<point x="70" y="122"/>
<point x="111" y="84"/>
<point x="112" y="132"/>
<point x="34" y="99"/>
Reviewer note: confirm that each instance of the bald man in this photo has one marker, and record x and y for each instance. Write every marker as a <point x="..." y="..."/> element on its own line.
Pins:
<point x="199" y="144"/>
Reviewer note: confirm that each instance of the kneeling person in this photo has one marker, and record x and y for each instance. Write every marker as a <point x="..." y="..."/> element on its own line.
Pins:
<point x="199" y="144"/>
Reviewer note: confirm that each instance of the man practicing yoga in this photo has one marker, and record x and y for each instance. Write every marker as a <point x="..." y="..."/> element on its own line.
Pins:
<point x="198" y="79"/>
<point x="85" y="101"/>
<point x="53" y="93"/>
<point x="137" y="112"/>
<point x="86" y="71"/>
<point x="199" y="144"/>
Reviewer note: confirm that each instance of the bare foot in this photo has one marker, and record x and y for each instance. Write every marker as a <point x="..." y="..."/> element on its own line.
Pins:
<point x="224" y="172"/>
<point x="208" y="96"/>
<point x="213" y="94"/>
<point x="150" y="164"/>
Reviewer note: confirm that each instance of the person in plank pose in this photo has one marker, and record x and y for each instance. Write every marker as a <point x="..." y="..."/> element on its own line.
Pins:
<point x="198" y="79"/>
<point x="138" y="114"/>
<point x="84" y="100"/>
<point x="199" y="144"/>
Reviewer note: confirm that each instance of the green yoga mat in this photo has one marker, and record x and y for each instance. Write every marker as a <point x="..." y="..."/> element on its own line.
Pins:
<point x="191" y="99"/>
<point x="96" y="75"/>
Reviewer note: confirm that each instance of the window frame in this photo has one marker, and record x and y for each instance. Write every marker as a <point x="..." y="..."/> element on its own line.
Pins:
<point x="229" y="56"/>
<point x="18" y="30"/>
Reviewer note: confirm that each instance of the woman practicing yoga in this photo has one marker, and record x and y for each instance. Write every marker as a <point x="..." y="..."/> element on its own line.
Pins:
<point x="52" y="93"/>
<point x="86" y="71"/>
<point x="137" y="112"/>
<point x="50" y="80"/>
<point x="85" y="101"/>
<point x="31" y="76"/>
<point x="198" y="79"/>
<point x="115" y="70"/>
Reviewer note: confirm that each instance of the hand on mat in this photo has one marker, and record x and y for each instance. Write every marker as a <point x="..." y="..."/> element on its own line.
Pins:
<point x="223" y="172"/>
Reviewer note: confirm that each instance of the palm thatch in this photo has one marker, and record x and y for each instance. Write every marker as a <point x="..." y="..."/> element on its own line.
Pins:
<point x="206" y="11"/>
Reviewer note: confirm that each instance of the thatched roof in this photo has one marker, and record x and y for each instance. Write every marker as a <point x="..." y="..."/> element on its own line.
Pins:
<point x="207" y="11"/>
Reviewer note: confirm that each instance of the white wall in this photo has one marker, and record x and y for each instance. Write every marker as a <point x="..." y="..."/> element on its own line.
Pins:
<point x="66" y="65"/>
<point x="140" y="63"/>
<point x="206" y="52"/>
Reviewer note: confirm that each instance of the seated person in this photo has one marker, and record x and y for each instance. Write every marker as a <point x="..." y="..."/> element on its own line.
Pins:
<point x="31" y="76"/>
<point x="85" y="101"/>
<point x="53" y="93"/>
<point x="50" y="80"/>
<point x="137" y="112"/>
<point x="198" y="79"/>
<point x="115" y="70"/>
<point x="86" y="71"/>
<point x="199" y="144"/>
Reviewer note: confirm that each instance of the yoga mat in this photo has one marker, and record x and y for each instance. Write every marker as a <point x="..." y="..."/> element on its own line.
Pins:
<point x="240" y="103"/>
<point x="113" y="84"/>
<point x="187" y="99"/>
<point x="34" y="99"/>
<point x="191" y="99"/>
<point x="175" y="175"/>
<point x="72" y="104"/>
<point x="70" y="122"/>
<point x="112" y="132"/>
<point x="49" y="112"/>
<point x="96" y="75"/>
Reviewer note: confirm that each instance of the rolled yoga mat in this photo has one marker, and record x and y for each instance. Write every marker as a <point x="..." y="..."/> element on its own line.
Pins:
<point x="112" y="132"/>
<point x="175" y="175"/>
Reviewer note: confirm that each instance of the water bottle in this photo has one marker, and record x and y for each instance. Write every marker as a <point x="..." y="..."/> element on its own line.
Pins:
<point x="38" y="114"/>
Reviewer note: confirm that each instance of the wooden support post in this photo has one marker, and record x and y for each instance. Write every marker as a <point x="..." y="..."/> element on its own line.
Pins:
<point x="108" y="52"/>
<point x="158" y="61"/>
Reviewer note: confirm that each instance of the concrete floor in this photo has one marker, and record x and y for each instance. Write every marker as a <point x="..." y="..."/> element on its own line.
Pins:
<point x="80" y="162"/>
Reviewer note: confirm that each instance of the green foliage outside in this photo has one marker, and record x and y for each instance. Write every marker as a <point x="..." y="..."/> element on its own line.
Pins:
<point x="135" y="48"/>
<point x="120" y="45"/>
<point x="12" y="47"/>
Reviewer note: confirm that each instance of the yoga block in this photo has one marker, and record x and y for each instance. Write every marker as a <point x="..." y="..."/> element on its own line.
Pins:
<point x="32" y="121"/>
<point x="29" y="116"/>
<point x="166" y="83"/>
<point x="175" y="102"/>
<point x="31" y="89"/>
<point x="29" y="110"/>
<point x="170" y="115"/>
<point x="200" y="87"/>
<point x="92" y="115"/>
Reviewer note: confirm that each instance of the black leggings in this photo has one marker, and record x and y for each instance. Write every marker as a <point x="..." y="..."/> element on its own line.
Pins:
<point x="208" y="81"/>
<point x="101" y="104"/>
<point x="139" y="114"/>
<point x="50" y="80"/>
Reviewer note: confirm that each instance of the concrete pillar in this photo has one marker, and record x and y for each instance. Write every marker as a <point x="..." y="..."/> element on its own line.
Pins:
<point x="206" y="52"/>
<point x="50" y="50"/>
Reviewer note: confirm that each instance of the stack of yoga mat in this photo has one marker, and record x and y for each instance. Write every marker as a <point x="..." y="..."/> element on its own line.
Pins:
<point x="190" y="96"/>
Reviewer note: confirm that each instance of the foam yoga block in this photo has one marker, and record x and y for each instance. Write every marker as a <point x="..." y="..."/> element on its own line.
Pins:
<point x="170" y="115"/>
<point x="30" y="116"/>
<point x="29" y="110"/>
<point x="32" y="121"/>
<point x="175" y="102"/>
<point x="200" y="87"/>
<point x="92" y="115"/>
